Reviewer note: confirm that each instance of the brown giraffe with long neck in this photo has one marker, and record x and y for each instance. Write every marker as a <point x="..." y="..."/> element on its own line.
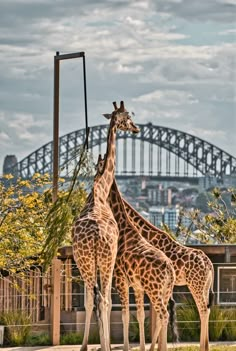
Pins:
<point x="192" y="267"/>
<point x="95" y="234"/>
<point x="144" y="268"/>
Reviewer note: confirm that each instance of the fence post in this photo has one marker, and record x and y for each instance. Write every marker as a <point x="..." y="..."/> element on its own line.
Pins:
<point x="55" y="308"/>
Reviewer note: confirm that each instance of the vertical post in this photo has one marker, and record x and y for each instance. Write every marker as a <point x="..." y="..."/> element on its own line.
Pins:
<point x="85" y="100"/>
<point x="56" y="126"/>
<point x="55" y="302"/>
<point x="55" y="278"/>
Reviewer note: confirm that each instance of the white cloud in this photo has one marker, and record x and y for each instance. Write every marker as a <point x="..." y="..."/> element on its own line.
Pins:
<point x="3" y="137"/>
<point x="140" y="51"/>
<point x="201" y="10"/>
<point x="167" y="98"/>
<point x="227" y="32"/>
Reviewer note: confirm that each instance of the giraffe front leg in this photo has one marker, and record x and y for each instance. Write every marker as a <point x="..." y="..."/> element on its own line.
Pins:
<point x="89" y="310"/>
<point x="139" y="296"/>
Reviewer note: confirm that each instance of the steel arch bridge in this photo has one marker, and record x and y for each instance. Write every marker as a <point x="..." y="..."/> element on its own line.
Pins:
<point x="155" y="151"/>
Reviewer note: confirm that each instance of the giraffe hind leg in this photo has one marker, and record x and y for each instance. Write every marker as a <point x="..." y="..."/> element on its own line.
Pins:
<point x="161" y="323"/>
<point x="202" y="301"/>
<point x="105" y="308"/>
<point x="139" y="298"/>
<point x="123" y="292"/>
<point x="89" y="310"/>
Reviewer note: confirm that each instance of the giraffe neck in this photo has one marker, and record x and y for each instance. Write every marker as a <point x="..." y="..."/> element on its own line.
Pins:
<point x="103" y="182"/>
<point x="122" y="220"/>
<point x="148" y="230"/>
<point x="152" y="234"/>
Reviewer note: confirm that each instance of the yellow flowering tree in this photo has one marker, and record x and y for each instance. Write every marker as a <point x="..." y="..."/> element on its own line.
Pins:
<point x="32" y="228"/>
<point x="23" y="211"/>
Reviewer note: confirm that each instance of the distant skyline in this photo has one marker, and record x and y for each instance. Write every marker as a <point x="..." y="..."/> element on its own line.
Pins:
<point x="173" y="62"/>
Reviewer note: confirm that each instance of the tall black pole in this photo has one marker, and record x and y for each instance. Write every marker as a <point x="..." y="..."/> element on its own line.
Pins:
<point x="85" y="100"/>
<point x="56" y="126"/>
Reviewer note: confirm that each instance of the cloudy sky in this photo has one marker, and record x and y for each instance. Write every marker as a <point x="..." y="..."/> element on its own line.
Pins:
<point x="172" y="61"/>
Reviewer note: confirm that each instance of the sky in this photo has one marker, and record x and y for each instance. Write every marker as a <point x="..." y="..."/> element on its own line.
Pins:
<point x="173" y="62"/>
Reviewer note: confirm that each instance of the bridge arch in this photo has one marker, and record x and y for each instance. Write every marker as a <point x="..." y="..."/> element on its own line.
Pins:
<point x="158" y="150"/>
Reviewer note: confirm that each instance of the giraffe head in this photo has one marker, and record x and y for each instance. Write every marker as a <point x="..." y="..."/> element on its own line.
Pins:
<point x="121" y="119"/>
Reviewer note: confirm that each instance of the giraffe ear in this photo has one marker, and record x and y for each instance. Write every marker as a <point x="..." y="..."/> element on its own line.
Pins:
<point x="107" y="115"/>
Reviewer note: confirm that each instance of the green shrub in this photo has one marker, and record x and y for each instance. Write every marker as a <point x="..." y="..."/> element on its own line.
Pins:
<point x="217" y="323"/>
<point x="229" y="332"/>
<point x="134" y="329"/>
<point x="72" y="338"/>
<point x="18" y="327"/>
<point x="188" y="322"/>
<point x="94" y="337"/>
<point x="76" y="338"/>
<point x="38" y="340"/>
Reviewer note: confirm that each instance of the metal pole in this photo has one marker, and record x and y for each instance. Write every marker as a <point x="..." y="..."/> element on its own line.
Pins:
<point x="85" y="99"/>
<point x="56" y="126"/>
<point x="55" y="278"/>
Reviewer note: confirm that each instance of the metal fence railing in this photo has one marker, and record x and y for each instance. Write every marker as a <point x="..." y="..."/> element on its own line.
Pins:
<point x="30" y="293"/>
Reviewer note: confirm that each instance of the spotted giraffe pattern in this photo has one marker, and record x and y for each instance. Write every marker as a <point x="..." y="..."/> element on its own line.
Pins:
<point x="192" y="266"/>
<point x="95" y="234"/>
<point x="144" y="268"/>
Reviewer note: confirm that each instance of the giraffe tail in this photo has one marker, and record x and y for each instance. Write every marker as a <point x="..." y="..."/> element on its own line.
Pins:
<point x="172" y="320"/>
<point x="211" y="298"/>
<point x="211" y="295"/>
<point x="97" y="301"/>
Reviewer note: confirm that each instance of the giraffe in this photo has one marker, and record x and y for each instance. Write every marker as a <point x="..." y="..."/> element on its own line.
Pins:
<point x="95" y="235"/>
<point x="144" y="268"/>
<point x="192" y="266"/>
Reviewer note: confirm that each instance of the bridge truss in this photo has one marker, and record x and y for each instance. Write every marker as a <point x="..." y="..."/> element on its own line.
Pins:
<point x="155" y="151"/>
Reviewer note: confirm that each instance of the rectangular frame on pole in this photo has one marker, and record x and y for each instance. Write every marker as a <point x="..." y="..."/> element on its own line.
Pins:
<point x="55" y="297"/>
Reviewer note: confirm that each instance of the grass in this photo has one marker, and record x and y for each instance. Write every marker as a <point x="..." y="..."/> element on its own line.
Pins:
<point x="212" y="348"/>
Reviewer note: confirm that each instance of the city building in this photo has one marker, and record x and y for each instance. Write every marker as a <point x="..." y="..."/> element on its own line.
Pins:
<point x="164" y="215"/>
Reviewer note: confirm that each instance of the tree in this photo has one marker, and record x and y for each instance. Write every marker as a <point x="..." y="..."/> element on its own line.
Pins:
<point x="32" y="227"/>
<point x="202" y="202"/>
<point x="23" y="211"/>
<point x="219" y="223"/>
